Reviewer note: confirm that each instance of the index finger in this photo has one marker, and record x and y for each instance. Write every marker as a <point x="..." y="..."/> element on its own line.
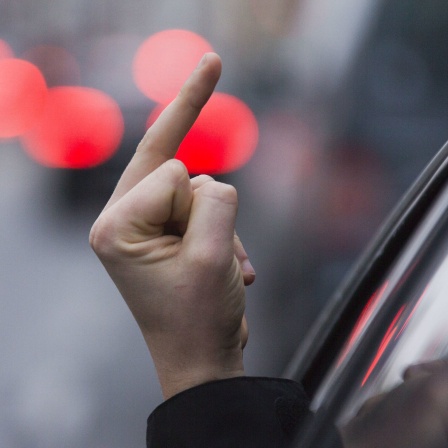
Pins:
<point x="163" y="138"/>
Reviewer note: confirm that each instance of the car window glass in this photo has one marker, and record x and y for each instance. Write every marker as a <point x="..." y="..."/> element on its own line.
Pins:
<point x="403" y="323"/>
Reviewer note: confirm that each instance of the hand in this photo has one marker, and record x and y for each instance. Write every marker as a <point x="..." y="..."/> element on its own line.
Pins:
<point x="169" y="245"/>
<point x="413" y="415"/>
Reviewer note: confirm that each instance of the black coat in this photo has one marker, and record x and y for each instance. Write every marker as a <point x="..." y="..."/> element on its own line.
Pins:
<point x="243" y="412"/>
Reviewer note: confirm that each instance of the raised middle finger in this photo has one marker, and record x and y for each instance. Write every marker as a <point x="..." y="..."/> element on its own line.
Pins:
<point x="163" y="138"/>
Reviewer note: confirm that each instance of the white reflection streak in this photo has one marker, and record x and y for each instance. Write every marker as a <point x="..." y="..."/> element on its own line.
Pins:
<point x="425" y="337"/>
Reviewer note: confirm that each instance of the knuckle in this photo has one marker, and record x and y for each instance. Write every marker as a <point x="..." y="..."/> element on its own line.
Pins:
<point x="175" y="168"/>
<point x="224" y="193"/>
<point x="173" y="172"/>
<point x="102" y="237"/>
<point x="188" y="96"/>
<point x="200" y="180"/>
<point x="203" y="178"/>
<point x="146" y="142"/>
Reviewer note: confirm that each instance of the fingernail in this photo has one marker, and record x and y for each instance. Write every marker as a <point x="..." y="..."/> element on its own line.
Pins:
<point x="202" y="61"/>
<point x="247" y="267"/>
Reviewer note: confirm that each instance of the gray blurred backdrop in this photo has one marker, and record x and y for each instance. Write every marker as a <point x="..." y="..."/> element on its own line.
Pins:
<point x="352" y="101"/>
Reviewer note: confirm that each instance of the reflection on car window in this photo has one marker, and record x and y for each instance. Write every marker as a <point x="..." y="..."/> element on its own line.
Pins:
<point x="403" y="323"/>
<point x="418" y="332"/>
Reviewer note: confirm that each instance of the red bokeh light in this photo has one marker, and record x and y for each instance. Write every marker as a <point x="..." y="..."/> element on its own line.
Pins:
<point x="5" y="50"/>
<point x="165" y="60"/>
<point x="22" y="96"/>
<point x="223" y="138"/>
<point x="79" y="128"/>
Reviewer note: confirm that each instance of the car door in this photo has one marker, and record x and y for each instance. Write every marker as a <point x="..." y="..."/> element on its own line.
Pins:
<point x="392" y="311"/>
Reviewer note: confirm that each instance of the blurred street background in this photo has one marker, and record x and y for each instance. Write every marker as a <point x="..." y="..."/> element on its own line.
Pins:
<point x="348" y="102"/>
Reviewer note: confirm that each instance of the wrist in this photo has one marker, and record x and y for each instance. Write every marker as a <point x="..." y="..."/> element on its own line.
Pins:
<point x="174" y="385"/>
<point x="176" y="376"/>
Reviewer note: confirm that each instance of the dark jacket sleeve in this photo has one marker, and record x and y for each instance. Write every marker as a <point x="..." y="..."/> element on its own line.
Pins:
<point x="244" y="412"/>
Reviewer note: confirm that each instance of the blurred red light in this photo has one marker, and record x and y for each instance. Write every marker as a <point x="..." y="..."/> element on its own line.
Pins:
<point x="22" y="96"/>
<point x="223" y="138"/>
<point x="165" y="60"/>
<point x="80" y="128"/>
<point x="5" y="50"/>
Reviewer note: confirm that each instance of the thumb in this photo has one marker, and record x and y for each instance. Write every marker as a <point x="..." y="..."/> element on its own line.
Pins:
<point x="164" y="196"/>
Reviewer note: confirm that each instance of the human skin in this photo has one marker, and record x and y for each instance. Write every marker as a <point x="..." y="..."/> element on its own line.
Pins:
<point x="169" y="244"/>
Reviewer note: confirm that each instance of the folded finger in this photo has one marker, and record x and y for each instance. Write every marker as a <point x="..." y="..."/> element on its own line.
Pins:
<point x="240" y="253"/>
<point x="200" y="180"/>
<point x="210" y="232"/>
<point x="246" y="266"/>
